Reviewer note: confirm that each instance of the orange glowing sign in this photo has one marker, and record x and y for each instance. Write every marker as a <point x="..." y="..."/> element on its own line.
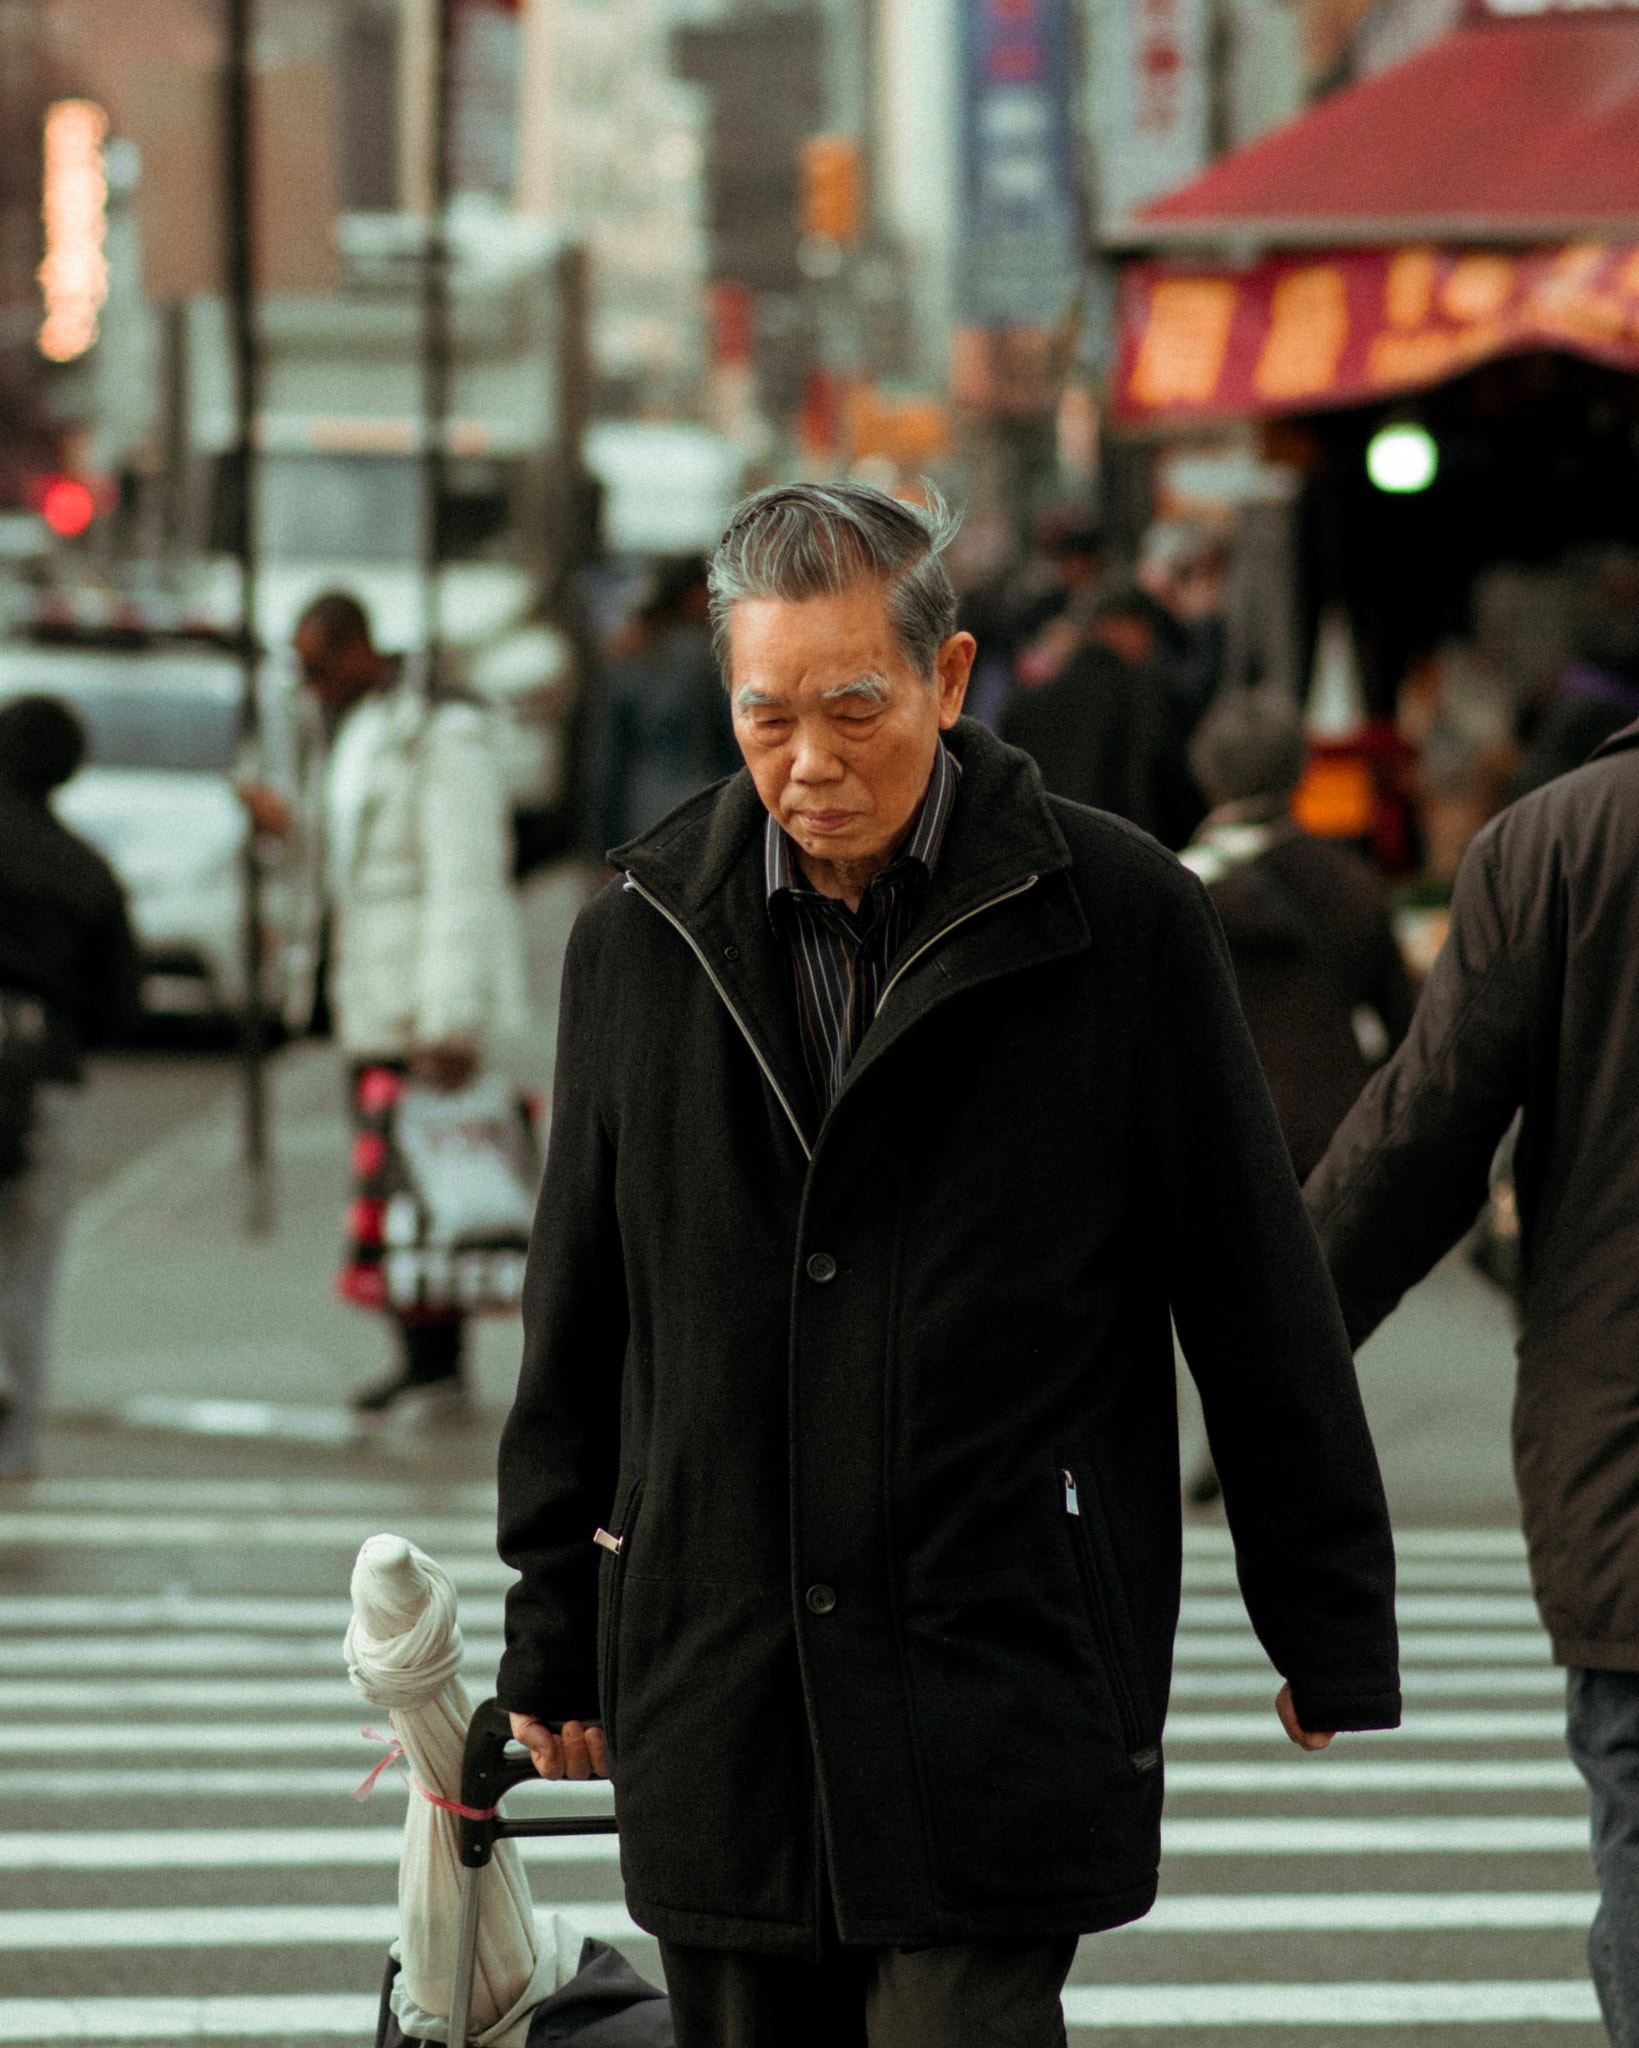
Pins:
<point x="74" y="275"/>
<point x="1300" y="333"/>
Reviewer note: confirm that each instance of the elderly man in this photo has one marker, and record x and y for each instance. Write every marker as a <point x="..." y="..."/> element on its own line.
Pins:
<point x="897" y="1105"/>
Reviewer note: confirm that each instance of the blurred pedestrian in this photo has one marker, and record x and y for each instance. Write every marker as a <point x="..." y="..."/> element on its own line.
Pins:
<point x="1183" y="564"/>
<point x="898" y="1106"/>
<point x="425" y="958"/>
<point x="1103" y="733"/>
<point x="1598" y="693"/>
<point x="1324" y="990"/>
<point x="1532" y="1009"/>
<point x="68" y="982"/>
<point x="664" y="728"/>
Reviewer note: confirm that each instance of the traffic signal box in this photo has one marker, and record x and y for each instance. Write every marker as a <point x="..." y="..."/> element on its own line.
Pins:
<point x="831" y="188"/>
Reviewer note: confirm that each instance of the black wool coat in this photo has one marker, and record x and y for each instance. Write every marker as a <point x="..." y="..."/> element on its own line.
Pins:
<point x="879" y="1407"/>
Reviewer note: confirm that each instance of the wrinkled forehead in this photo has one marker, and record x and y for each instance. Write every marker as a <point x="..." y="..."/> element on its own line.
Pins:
<point x="814" y="647"/>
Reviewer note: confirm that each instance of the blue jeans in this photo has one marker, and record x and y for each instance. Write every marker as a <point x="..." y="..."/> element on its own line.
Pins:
<point x="1602" y="1734"/>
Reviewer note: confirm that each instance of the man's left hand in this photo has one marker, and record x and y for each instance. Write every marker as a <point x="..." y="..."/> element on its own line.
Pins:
<point x="1306" y="1738"/>
<point x="577" y="1752"/>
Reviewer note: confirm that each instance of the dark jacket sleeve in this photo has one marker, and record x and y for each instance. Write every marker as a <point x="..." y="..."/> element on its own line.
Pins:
<point x="560" y="1449"/>
<point x="1408" y="1169"/>
<point x="113" y="974"/>
<point x="1261" y="1332"/>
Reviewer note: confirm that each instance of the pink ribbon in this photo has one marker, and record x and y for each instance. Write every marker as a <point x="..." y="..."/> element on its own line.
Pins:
<point x="394" y="1759"/>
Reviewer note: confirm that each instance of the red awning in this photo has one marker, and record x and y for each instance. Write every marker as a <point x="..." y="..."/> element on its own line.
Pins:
<point x="1524" y="130"/>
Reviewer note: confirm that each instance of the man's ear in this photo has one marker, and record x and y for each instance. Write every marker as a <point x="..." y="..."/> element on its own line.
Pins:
<point x="953" y="665"/>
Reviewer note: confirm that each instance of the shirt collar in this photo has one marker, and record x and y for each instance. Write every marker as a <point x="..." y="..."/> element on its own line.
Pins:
<point x="926" y="836"/>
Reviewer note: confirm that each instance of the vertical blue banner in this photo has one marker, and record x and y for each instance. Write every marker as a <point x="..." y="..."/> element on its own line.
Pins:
<point x="1021" y="219"/>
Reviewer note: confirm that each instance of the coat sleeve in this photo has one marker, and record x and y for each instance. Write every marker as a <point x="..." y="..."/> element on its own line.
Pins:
<point x="560" y="1448"/>
<point x="467" y="913"/>
<point x="1408" y="1169"/>
<point x="1260" y="1329"/>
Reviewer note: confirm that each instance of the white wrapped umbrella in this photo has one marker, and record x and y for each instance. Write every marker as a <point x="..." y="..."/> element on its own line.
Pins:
<point x="404" y="1653"/>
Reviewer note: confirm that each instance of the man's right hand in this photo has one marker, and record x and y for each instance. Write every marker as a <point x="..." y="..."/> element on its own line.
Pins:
<point x="577" y="1753"/>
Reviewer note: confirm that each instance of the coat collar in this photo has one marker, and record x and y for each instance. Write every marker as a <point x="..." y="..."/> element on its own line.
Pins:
<point x="1618" y="743"/>
<point x="703" y="868"/>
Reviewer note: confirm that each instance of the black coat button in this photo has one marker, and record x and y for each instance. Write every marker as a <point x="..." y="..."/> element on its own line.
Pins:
<point x="820" y="1599"/>
<point x="821" y="1267"/>
<point x="731" y="952"/>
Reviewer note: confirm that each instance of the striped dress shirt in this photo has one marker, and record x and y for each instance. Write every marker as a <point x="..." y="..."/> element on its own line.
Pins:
<point x="841" y="959"/>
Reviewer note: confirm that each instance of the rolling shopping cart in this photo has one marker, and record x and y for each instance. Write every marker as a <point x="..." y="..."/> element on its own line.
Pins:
<point x="606" y="1999"/>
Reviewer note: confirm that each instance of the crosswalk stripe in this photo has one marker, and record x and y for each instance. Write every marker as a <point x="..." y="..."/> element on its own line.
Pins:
<point x="101" y="1928"/>
<point x="1363" y="1912"/>
<point x="313" y="2013"/>
<point x="295" y="1782"/>
<point x="1431" y="1683"/>
<point x="31" y="1694"/>
<point x="1375" y="1775"/>
<point x="297" y="1848"/>
<point x="35" y="1695"/>
<point x="1506" y="2002"/>
<point x="263" y="1496"/>
<point x="1436" y="1725"/>
<point x="188" y="1610"/>
<point x="1417" y="1646"/>
<point x="1214" y="1540"/>
<point x="301" y="2013"/>
<point x="200" y="1653"/>
<point x="236" y="1532"/>
<point x="1428" y="1574"/>
<point x="1439" y="1835"/>
<point x="25" y="1738"/>
<point x="253" y="1848"/>
<point x="1414" y="1610"/>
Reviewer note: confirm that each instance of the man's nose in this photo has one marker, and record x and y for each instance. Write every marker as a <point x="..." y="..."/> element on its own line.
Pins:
<point x="815" y="759"/>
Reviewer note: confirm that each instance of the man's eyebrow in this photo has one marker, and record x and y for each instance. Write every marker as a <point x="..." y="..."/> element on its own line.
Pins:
<point x="749" y="699"/>
<point x="872" y="688"/>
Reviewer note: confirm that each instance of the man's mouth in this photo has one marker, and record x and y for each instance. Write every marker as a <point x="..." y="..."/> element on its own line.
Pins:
<point x="824" y="821"/>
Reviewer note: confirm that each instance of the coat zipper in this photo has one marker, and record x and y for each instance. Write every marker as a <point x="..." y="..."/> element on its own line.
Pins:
<point x="1141" y="1752"/>
<point x="944" y="933"/>
<point x="698" y="951"/>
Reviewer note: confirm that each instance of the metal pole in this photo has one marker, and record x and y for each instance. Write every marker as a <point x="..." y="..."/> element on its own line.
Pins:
<point x="466" y="1954"/>
<point x="239" y="273"/>
<point x="435" y="331"/>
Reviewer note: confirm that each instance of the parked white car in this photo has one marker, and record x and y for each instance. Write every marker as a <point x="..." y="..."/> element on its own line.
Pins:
<point x="157" y="798"/>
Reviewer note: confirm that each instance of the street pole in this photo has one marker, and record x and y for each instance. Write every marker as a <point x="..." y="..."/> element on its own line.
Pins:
<point x="239" y="270"/>
<point x="435" y="333"/>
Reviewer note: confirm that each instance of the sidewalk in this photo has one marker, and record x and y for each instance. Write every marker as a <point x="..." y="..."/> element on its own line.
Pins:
<point x="164" y="1295"/>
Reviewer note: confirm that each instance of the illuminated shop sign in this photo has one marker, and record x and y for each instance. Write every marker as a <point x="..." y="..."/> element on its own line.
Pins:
<point x="1301" y="333"/>
<point x="74" y="275"/>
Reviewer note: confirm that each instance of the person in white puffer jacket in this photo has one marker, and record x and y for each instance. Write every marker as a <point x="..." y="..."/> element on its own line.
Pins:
<point x="426" y="963"/>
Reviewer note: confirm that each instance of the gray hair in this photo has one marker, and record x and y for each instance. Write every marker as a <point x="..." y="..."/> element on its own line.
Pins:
<point x="796" y="541"/>
<point x="1249" y="744"/>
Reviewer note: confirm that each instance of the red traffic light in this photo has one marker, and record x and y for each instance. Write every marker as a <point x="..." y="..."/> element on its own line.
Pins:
<point x="67" y="506"/>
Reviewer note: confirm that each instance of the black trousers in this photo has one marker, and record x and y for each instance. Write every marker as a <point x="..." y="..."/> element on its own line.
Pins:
<point x="971" y="1995"/>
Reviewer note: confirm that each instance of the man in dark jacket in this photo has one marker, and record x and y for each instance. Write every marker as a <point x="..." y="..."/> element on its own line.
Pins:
<point x="1533" y="1009"/>
<point x="1325" y="992"/>
<point x="897" y="1105"/>
<point x="68" y="980"/>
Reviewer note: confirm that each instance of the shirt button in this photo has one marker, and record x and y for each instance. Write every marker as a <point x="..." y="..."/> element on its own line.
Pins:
<point x="821" y="1267"/>
<point x="731" y="952"/>
<point x="820" y="1599"/>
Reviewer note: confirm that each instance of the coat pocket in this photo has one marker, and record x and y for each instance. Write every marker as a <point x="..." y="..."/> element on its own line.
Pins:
<point x="1111" y="1622"/>
<point x="613" y="1577"/>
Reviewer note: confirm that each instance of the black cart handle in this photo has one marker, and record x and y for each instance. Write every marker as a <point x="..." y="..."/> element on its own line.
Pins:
<point x="489" y="1770"/>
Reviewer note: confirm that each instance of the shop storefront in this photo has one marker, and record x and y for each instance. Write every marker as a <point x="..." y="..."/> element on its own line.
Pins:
<point x="1422" y="299"/>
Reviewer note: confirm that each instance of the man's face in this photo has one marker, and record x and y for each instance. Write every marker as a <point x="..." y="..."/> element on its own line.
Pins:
<point x="836" y="726"/>
<point x="340" y="672"/>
